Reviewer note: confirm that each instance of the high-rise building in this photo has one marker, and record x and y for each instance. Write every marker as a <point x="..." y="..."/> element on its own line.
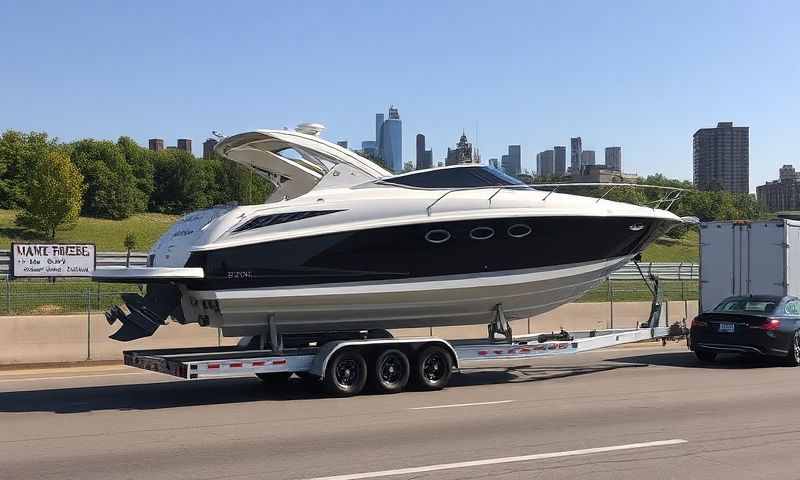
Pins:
<point x="512" y="163"/>
<point x="781" y="194"/>
<point x="462" y="154"/>
<point x="504" y="161"/>
<point x="560" y="161"/>
<point x="185" y="144"/>
<point x="787" y="172"/>
<point x="575" y="149"/>
<point x="378" y="130"/>
<point x="421" y="152"/>
<point x="156" y="144"/>
<point x="721" y="158"/>
<point x="208" y="148"/>
<point x="369" y="149"/>
<point x="614" y="158"/>
<point x="391" y="144"/>
<point x="428" y="159"/>
<point x="545" y="163"/>
<point x="342" y="143"/>
<point x="587" y="157"/>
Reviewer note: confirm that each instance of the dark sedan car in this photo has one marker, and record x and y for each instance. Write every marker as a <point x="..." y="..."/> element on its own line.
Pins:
<point x="760" y="325"/>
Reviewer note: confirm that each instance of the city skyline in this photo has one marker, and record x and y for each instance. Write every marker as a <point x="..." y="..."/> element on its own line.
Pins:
<point x="120" y="77"/>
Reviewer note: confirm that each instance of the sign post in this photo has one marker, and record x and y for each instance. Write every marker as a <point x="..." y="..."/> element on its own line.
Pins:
<point x="50" y="260"/>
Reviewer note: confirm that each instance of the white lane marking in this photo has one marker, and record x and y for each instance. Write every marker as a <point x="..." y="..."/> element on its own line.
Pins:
<point x="39" y="379"/>
<point x="495" y="461"/>
<point x="461" y="405"/>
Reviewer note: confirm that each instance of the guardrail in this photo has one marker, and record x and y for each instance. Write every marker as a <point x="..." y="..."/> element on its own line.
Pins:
<point x="665" y="271"/>
<point x="103" y="259"/>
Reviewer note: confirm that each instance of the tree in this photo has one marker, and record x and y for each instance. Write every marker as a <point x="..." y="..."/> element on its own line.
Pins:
<point x="110" y="185"/>
<point x="141" y="163"/>
<point x="130" y="244"/>
<point x="19" y="154"/>
<point x="54" y="195"/>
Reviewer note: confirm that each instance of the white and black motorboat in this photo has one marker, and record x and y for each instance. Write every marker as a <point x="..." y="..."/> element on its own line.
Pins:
<point x="342" y="244"/>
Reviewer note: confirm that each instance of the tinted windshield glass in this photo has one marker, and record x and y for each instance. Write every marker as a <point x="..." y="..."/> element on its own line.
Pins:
<point x="456" y="178"/>
<point x="747" y="305"/>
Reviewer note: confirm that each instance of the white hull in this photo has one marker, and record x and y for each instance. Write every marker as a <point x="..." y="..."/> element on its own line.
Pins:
<point x="435" y="302"/>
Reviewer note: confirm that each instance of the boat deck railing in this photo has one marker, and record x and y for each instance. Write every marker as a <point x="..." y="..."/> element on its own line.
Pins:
<point x="665" y="202"/>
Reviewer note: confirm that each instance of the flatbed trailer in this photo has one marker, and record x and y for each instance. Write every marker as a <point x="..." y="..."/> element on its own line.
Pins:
<point x="346" y="365"/>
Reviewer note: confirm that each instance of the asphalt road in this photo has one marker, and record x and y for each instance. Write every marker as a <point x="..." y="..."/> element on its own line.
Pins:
<point x="641" y="412"/>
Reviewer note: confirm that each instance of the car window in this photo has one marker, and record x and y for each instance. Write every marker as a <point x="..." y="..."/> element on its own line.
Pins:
<point x="746" y="305"/>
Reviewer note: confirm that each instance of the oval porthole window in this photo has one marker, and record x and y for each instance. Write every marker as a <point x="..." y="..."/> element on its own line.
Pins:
<point x="437" y="236"/>
<point x="481" y="233"/>
<point x="519" y="230"/>
<point x="636" y="227"/>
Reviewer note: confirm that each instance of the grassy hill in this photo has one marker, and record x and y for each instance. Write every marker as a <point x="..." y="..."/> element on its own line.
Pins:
<point x="108" y="235"/>
<point x="666" y="249"/>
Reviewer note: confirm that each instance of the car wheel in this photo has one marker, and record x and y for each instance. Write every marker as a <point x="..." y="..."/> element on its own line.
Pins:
<point x="390" y="372"/>
<point x="705" y="356"/>
<point x="793" y="356"/>
<point x="433" y="368"/>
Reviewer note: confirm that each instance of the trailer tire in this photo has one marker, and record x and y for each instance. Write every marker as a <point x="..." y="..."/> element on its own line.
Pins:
<point x="346" y="373"/>
<point x="390" y="372"/>
<point x="433" y="368"/>
<point x="274" y="378"/>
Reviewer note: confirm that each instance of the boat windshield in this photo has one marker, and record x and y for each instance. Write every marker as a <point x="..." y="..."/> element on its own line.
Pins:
<point x="459" y="177"/>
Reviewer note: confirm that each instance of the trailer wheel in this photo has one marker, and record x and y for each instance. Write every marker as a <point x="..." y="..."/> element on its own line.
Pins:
<point x="391" y="372"/>
<point x="433" y="368"/>
<point x="346" y="374"/>
<point x="274" y="378"/>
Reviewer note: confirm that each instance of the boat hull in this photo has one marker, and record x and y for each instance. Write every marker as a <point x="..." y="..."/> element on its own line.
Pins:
<point x="431" y="302"/>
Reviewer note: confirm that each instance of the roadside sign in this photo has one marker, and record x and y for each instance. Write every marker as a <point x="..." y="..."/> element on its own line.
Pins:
<point x="52" y="259"/>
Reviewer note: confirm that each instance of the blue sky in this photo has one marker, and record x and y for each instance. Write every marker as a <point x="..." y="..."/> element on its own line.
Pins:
<point x="644" y="75"/>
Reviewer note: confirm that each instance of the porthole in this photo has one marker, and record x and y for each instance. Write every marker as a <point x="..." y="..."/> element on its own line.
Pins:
<point x="437" y="236"/>
<point x="636" y="227"/>
<point x="519" y="230"/>
<point x="481" y="233"/>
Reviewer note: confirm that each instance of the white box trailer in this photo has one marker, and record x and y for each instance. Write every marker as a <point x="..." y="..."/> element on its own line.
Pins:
<point x="748" y="257"/>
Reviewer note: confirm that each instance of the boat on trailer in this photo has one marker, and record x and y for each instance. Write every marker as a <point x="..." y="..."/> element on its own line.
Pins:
<point x="344" y="245"/>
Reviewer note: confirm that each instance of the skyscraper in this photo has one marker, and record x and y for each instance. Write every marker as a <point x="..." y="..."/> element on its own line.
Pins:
<point x="614" y="158"/>
<point x="421" y="152"/>
<point x="575" y="149"/>
<point x="378" y="130"/>
<point x="156" y="144"/>
<point x="514" y="166"/>
<point x="391" y="144"/>
<point x="560" y="161"/>
<point x="185" y="144"/>
<point x="587" y="157"/>
<point x="428" y="159"/>
<point x="721" y="158"/>
<point x="545" y="163"/>
<point x="208" y="148"/>
<point x="342" y="143"/>
<point x="462" y="154"/>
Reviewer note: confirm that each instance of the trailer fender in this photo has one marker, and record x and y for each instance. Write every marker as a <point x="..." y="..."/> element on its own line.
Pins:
<point x="320" y="363"/>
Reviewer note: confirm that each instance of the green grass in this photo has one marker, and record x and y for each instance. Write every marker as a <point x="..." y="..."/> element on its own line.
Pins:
<point x="685" y="249"/>
<point x="108" y="235"/>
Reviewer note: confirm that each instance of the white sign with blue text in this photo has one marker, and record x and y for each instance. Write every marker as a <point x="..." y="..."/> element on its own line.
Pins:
<point x="52" y="259"/>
